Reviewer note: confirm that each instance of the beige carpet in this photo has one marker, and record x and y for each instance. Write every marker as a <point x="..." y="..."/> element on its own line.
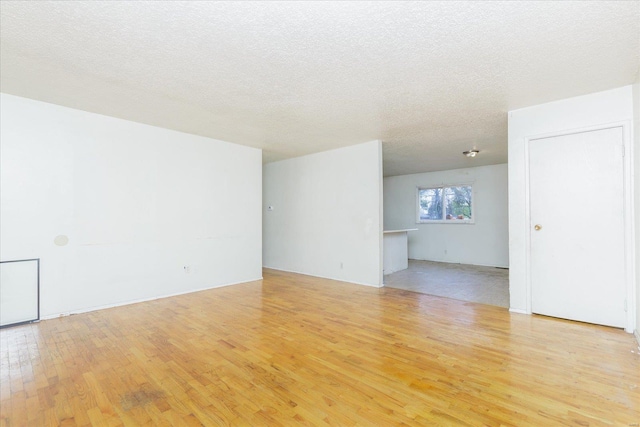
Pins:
<point x="486" y="285"/>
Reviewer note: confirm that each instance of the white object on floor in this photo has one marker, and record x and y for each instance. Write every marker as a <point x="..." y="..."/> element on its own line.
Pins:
<point x="18" y="291"/>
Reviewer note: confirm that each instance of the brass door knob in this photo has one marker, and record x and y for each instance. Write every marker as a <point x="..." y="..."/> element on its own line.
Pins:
<point x="537" y="227"/>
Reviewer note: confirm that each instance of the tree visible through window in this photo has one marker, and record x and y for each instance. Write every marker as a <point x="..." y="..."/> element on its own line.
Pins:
<point x="445" y="203"/>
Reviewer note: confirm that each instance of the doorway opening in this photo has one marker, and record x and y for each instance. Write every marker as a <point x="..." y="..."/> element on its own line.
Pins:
<point x="473" y="283"/>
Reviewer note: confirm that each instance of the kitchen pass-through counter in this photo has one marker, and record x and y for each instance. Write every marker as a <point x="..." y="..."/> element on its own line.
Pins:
<point x="396" y="250"/>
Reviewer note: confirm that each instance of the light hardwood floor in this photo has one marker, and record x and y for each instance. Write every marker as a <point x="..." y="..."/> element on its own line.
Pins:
<point x="293" y="349"/>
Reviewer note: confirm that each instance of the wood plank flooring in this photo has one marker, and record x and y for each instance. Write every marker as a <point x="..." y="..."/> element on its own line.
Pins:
<point x="293" y="349"/>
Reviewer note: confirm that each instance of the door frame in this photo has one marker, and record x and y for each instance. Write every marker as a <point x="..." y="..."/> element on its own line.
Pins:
<point x="628" y="213"/>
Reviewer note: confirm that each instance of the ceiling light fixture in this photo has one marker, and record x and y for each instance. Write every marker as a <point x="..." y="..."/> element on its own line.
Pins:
<point x="471" y="153"/>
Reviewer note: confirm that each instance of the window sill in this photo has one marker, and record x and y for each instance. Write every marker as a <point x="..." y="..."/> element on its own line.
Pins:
<point x="448" y="221"/>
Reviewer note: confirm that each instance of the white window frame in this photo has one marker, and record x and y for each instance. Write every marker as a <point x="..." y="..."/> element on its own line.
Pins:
<point x="471" y="220"/>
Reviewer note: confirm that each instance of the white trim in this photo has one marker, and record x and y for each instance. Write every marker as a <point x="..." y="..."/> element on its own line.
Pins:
<point x="136" y="301"/>
<point x="628" y="212"/>
<point x="629" y="219"/>
<point x="447" y="221"/>
<point x="381" y="214"/>
<point x="527" y="222"/>
<point x="325" y="277"/>
<point x="518" y="311"/>
<point x="504" y="267"/>
<point x="636" y="334"/>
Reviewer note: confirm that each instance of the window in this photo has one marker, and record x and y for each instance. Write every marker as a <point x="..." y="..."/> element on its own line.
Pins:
<point x="445" y="204"/>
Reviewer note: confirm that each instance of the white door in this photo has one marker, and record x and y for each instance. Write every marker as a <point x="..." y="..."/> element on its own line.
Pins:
<point x="577" y="226"/>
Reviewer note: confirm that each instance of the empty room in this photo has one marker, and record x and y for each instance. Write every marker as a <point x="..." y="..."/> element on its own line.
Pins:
<point x="206" y="208"/>
<point x="457" y="245"/>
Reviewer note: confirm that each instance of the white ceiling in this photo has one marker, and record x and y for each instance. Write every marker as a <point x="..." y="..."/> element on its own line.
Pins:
<point x="430" y="79"/>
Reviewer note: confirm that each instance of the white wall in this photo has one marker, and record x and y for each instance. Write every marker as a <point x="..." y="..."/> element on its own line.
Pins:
<point x="607" y="107"/>
<point x="327" y="214"/>
<point x="485" y="242"/>
<point x="138" y="203"/>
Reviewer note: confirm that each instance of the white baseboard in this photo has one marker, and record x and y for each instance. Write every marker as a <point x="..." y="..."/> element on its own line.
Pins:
<point x="636" y="334"/>
<point x="324" y="277"/>
<point x="506" y="267"/>
<point x="517" y="310"/>
<point x="136" y="301"/>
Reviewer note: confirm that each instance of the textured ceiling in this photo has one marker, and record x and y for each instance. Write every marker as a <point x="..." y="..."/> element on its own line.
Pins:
<point x="430" y="79"/>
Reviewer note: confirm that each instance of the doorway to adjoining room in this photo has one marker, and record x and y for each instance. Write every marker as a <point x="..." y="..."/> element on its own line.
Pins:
<point x="457" y="232"/>
<point x="485" y="285"/>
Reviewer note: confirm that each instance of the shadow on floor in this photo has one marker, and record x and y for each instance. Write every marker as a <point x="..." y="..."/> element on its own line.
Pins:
<point x="485" y="285"/>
